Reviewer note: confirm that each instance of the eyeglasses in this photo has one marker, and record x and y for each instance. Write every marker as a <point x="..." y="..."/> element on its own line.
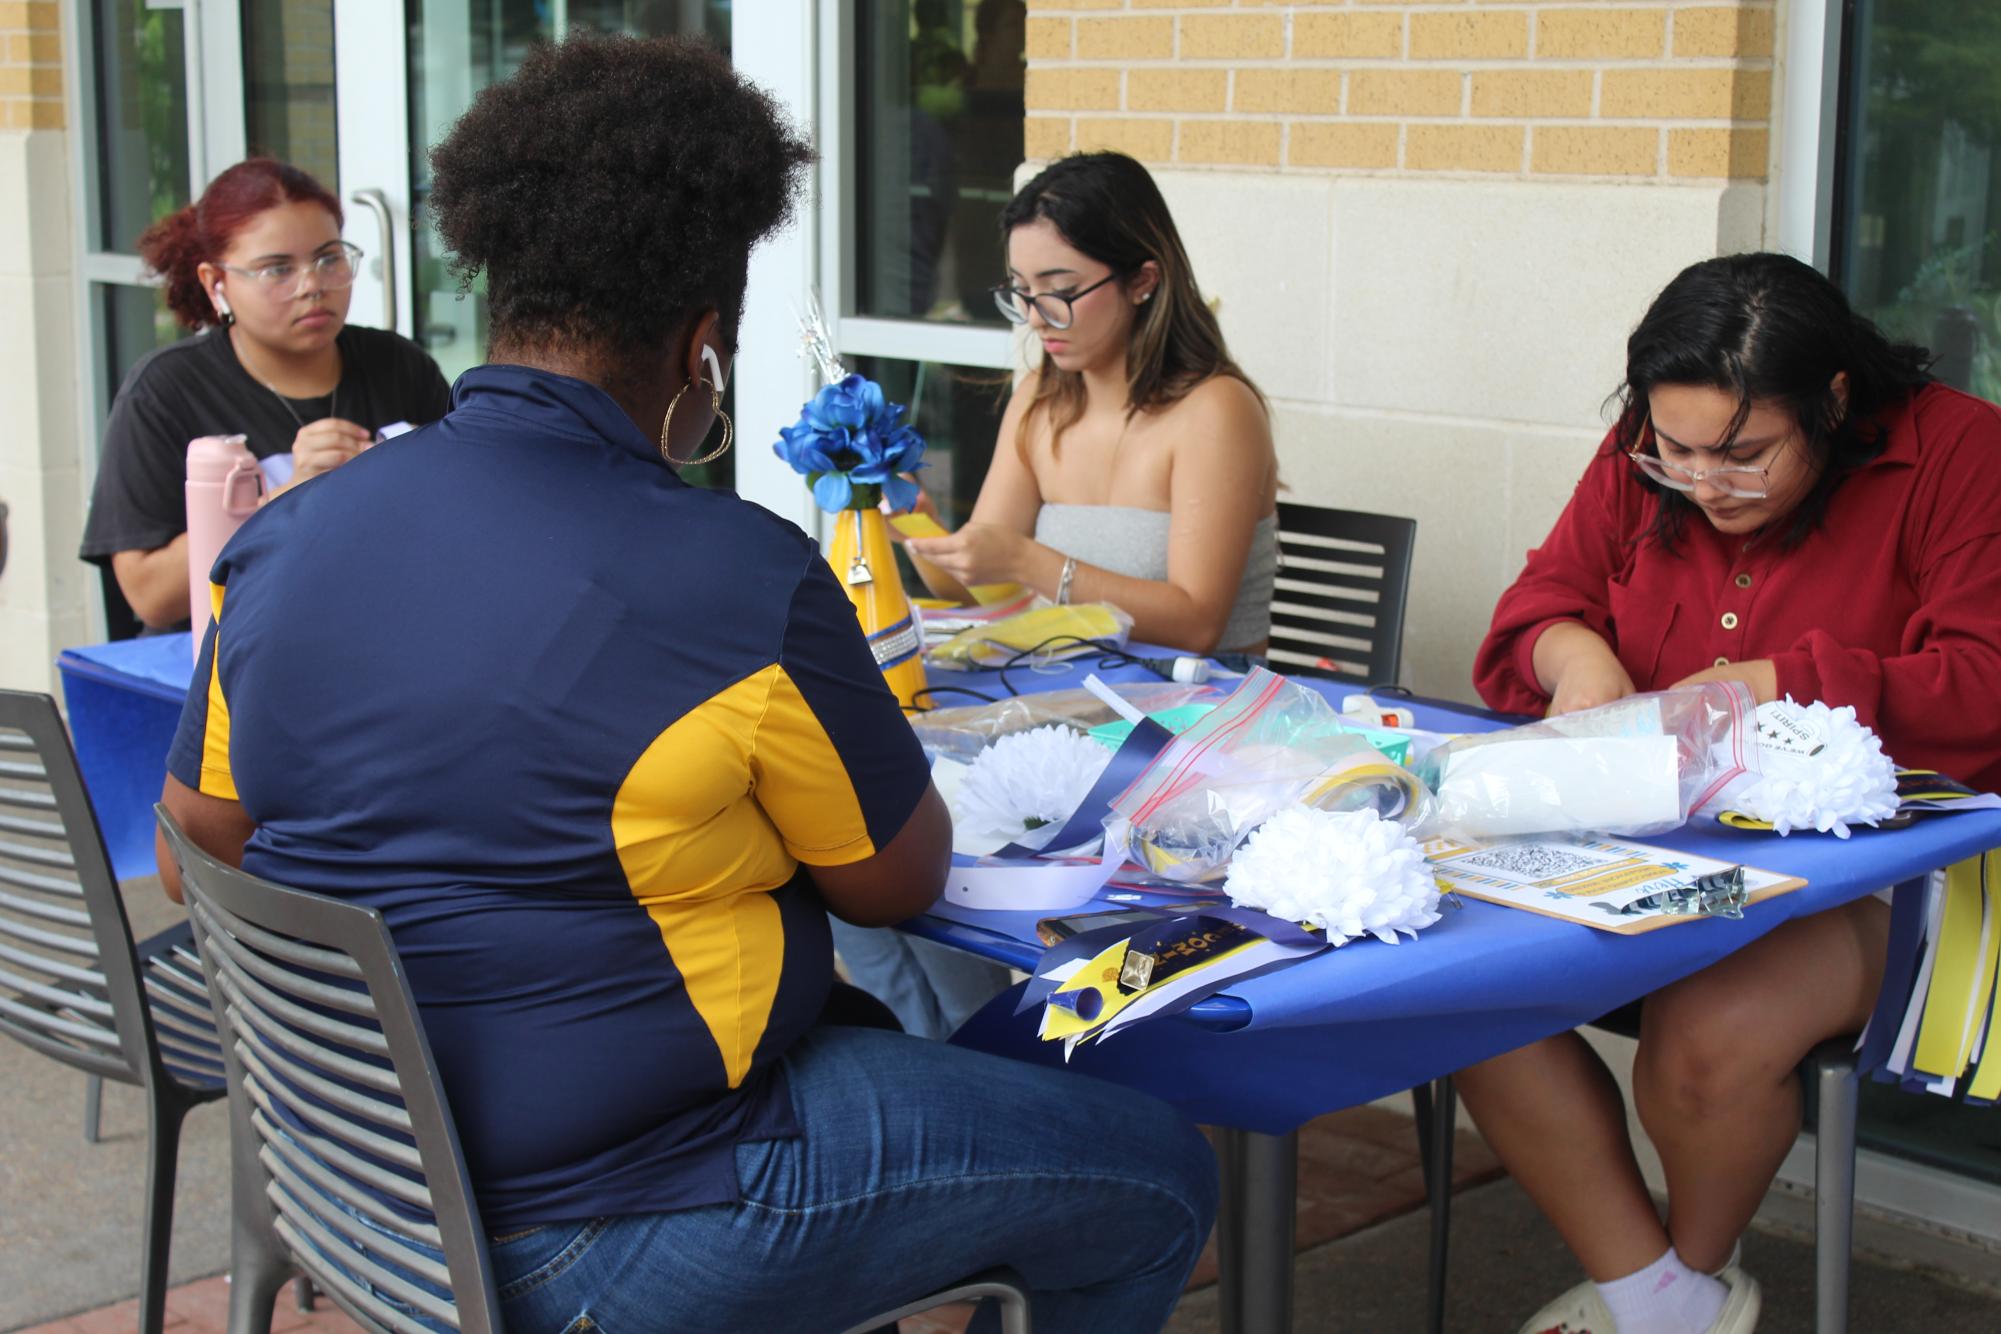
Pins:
<point x="1056" y="308"/>
<point x="1744" y="483"/>
<point x="281" y="279"/>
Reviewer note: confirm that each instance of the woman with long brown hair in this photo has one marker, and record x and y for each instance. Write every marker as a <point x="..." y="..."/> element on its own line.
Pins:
<point x="1135" y="464"/>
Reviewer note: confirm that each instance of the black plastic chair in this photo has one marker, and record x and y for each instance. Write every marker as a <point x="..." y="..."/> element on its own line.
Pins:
<point x="1338" y="605"/>
<point x="72" y="983"/>
<point x="336" y="1111"/>
<point x="1833" y="1093"/>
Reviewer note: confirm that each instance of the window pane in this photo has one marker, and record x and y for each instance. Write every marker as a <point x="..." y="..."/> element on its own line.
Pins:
<point x="288" y="90"/>
<point x="135" y="322"/>
<point x="142" y="119"/>
<point x="938" y="134"/>
<point x="957" y="409"/>
<point x="1921" y="241"/>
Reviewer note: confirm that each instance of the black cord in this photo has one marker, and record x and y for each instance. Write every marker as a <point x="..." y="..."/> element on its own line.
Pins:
<point x="921" y="702"/>
<point x="1109" y="655"/>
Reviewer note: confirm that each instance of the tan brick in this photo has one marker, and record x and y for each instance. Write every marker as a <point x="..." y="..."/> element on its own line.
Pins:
<point x="35" y="48"/>
<point x="1463" y="147"/>
<point x="1302" y="91"/>
<point x="1494" y="36"/>
<point x="1593" y="150"/>
<point x="1601" y="34"/>
<point x="1347" y="36"/>
<point x="31" y="81"/>
<point x="1044" y="137"/>
<point x="1048" y="39"/>
<point x="1076" y="4"/>
<point x="1247" y="143"/>
<point x="31" y="114"/>
<point x="1177" y="90"/>
<point x="1686" y="94"/>
<point x="1147" y="140"/>
<point x="1739" y="154"/>
<point x="1191" y="4"/>
<point x="1072" y="89"/>
<point x="29" y="16"/>
<point x="1342" y="144"/>
<point x="1532" y="92"/>
<point x="1732" y="31"/>
<point x="1232" y="37"/>
<point x="1400" y="92"/>
<point x="1125" y="39"/>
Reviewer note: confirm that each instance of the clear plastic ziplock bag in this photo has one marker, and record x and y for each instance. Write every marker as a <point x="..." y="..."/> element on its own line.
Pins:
<point x="962" y="733"/>
<point x="1271" y="745"/>
<point x="1045" y="633"/>
<point x="1634" y="767"/>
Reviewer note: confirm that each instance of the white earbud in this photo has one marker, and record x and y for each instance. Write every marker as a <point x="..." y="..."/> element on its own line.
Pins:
<point x="222" y="303"/>
<point x="715" y="368"/>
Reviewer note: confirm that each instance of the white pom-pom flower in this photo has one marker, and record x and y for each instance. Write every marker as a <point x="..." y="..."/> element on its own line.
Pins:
<point x="1025" y="785"/>
<point x="1819" y="769"/>
<point x="1352" y="873"/>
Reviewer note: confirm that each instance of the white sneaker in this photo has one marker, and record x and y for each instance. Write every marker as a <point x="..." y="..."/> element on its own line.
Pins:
<point x="1578" y="1311"/>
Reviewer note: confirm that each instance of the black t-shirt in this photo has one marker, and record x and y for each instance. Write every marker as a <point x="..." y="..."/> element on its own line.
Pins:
<point x="197" y="387"/>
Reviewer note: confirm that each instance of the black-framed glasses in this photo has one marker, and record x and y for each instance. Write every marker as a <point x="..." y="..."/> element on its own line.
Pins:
<point x="281" y="278"/>
<point x="1056" y="308"/>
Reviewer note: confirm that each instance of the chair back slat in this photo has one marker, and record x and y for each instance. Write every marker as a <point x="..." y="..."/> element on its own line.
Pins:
<point x="1339" y="597"/>
<point x="69" y="977"/>
<point x="343" y="1147"/>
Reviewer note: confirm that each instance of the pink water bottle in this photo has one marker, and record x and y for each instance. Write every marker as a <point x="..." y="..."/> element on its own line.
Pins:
<point x="224" y="487"/>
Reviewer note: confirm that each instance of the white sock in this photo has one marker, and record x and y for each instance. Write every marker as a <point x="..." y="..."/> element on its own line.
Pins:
<point x="1667" y="1297"/>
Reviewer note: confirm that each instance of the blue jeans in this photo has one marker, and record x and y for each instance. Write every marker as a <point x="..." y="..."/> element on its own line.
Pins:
<point x="920" y="1164"/>
<point x="931" y="989"/>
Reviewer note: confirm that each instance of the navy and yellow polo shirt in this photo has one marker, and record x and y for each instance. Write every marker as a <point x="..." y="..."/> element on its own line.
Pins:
<point x="572" y="726"/>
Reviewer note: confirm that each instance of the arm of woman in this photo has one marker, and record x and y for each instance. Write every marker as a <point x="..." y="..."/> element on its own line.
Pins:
<point x="1009" y="501"/>
<point x="217" y="825"/>
<point x="155" y="582"/>
<point x="138" y="503"/>
<point x="1551" y="646"/>
<point x="836" y="767"/>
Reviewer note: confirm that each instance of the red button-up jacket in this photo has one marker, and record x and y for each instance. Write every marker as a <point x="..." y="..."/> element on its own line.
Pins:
<point x="1892" y="604"/>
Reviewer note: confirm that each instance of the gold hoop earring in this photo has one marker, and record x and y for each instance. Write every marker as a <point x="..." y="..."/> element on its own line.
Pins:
<point x="715" y="405"/>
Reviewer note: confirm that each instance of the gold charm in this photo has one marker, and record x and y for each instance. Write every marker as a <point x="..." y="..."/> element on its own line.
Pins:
<point x="859" y="572"/>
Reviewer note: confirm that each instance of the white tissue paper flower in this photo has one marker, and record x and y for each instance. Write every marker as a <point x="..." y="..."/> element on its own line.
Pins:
<point x="1350" y="872"/>
<point x="1027" y="784"/>
<point x="1818" y="769"/>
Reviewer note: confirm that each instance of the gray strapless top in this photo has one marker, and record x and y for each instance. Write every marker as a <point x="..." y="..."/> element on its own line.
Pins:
<point x="1133" y="542"/>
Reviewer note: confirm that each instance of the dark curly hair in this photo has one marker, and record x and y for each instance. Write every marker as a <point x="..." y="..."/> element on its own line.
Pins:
<point x="175" y="247"/>
<point x="612" y="188"/>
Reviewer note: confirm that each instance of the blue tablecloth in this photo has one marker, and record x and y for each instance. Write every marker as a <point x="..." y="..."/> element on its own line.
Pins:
<point x="1369" y="1019"/>
<point x="124" y="700"/>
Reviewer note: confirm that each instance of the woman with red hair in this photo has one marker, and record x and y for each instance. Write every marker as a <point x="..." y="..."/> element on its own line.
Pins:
<point x="257" y="268"/>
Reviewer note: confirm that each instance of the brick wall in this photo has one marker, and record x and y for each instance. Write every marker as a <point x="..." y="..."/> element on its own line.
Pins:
<point x="1674" y="90"/>
<point x="31" y="66"/>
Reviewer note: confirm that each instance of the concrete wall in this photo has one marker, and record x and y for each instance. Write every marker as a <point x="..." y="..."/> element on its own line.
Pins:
<point x="42" y="593"/>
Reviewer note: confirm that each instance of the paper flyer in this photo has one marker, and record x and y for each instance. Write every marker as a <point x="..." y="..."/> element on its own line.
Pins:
<point x="1580" y="878"/>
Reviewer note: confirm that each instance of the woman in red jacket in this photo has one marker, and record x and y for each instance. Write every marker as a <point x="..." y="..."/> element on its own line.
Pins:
<point x="1786" y="500"/>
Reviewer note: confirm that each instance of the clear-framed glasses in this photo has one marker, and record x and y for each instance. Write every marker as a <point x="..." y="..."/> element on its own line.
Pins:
<point x="1056" y="308"/>
<point x="1744" y="483"/>
<point x="282" y="278"/>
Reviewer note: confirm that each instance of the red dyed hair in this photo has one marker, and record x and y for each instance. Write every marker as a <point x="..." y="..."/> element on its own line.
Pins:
<point x="178" y="244"/>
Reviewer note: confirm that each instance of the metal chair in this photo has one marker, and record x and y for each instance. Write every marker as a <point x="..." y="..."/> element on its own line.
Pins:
<point x="1833" y="1091"/>
<point x="346" y="1162"/>
<point x="1338" y="605"/>
<point x="72" y="983"/>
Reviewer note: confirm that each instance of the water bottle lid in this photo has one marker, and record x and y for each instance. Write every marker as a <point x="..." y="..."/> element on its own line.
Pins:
<point x="211" y="457"/>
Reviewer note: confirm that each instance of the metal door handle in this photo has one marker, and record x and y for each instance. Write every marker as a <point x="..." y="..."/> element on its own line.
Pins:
<point x="378" y="203"/>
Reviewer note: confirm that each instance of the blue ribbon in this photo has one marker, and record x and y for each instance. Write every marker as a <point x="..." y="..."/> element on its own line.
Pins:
<point x="1907" y="925"/>
<point x="1146" y="936"/>
<point x="1146" y="740"/>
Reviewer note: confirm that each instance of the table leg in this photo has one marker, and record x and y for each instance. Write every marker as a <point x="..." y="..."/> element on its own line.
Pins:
<point x="1438" y="1189"/>
<point x="1260" y="1196"/>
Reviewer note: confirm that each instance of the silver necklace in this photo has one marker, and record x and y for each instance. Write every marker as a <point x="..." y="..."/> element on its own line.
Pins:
<point x="333" y="404"/>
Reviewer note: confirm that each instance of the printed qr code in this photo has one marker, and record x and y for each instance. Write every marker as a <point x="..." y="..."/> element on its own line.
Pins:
<point x="1528" y="861"/>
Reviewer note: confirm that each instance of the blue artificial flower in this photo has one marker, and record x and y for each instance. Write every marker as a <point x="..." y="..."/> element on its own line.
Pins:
<point x="850" y="436"/>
